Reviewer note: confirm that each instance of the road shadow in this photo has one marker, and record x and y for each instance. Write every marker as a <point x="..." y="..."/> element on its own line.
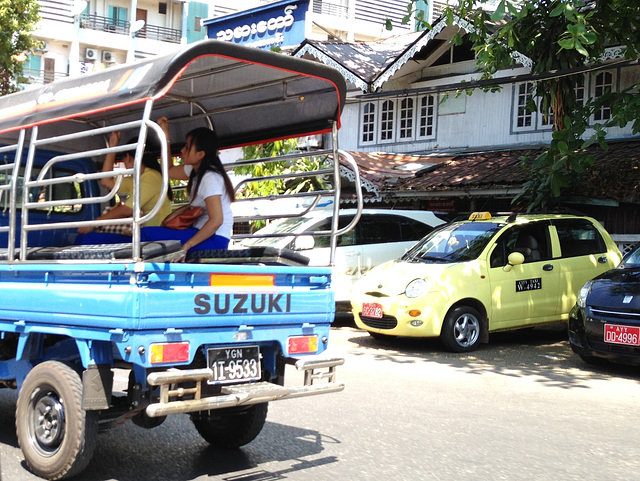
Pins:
<point x="176" y="452"/>
<point x="343" y="319"/>
<point x="542" y="352"/>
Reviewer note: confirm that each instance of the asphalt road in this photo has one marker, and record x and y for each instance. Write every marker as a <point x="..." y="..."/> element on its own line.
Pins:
<point x="521" y="408"/>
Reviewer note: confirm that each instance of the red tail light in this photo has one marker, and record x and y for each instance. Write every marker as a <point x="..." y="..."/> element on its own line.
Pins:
<point x="303" y="344"/>
<point x="169" y="352"/>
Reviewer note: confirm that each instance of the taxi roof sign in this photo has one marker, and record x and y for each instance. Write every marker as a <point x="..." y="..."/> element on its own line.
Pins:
<point x="480" y="216"/>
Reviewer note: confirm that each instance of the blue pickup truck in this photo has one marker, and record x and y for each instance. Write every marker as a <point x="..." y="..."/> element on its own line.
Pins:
<point x="210" y="337"/>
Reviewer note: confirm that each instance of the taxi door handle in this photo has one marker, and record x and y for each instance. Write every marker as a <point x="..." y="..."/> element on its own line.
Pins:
<point x="547" y="267"/>
<point x="602" y="259"/>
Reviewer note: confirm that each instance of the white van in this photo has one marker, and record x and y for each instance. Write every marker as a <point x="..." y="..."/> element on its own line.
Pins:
<point x="380" y="235"/>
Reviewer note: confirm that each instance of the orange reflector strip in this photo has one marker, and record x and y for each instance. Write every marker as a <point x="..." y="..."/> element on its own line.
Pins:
<point x="169" y="352"/>
<point x="242" y="280"/>
<point x="303" y="344"/>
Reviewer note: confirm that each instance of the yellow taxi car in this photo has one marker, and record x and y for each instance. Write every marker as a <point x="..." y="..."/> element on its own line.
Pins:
<point x="469" y="278"/>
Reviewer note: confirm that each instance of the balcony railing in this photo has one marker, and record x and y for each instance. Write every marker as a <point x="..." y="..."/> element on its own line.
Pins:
<point x="106" y="24"/>
<point x="325" y="7"/>
<point x="123" y="27"/>
<point x="38" y="77"/>
<point x="165" y="34"/>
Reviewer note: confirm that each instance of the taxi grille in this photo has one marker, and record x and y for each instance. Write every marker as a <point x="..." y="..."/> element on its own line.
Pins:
<point x="386" y="322"/>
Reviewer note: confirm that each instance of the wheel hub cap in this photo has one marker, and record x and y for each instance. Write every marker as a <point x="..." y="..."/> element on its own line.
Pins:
<point x="48" y="421"/>
<point x="467" y="330"/>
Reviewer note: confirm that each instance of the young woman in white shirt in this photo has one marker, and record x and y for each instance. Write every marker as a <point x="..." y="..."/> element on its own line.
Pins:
<point x="209" y="187"/>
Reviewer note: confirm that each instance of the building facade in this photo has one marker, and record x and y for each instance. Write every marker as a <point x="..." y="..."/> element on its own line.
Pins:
<point x="451" y="145"/>
<point x="415" y="93"/>
<point x="83" y="36"/>
<point x="288" y="23"/>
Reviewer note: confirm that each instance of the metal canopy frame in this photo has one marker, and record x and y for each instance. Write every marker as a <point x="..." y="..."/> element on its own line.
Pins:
<point x="247" y="96"/>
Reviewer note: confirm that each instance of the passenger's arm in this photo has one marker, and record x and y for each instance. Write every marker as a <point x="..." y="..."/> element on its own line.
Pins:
<point x="109" y="160"/>
<point x="163" y="123"/>
<point x="175" y="171"/>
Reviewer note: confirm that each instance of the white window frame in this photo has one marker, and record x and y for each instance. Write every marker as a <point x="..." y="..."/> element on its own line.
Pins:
<point x="523" y="119"/>
<point x="523" y="92"/>
<point x="595" y="91"/>
<point x="406" y="118"/>
<point x="368" y="120"/>
<point x="387" y="121"/>
<point x="423" y="118"/>
<point x="581" y="91"/>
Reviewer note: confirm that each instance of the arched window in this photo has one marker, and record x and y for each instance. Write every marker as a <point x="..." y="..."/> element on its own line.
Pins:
<point x="426" y="116"/>
<point x="406" y="118"/>
<point x="368" y="122"/>
<point x="386" y="120"/>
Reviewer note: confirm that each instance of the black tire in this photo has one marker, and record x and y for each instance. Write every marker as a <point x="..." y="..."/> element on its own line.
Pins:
<point x="56" y="435"/>
<point x="226" y="429"/>
<point x="462" y="329"/>
<point x="593" y="360"/>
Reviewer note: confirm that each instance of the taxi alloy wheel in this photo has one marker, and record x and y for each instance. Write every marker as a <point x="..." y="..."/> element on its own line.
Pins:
<point x="461" y="329"/>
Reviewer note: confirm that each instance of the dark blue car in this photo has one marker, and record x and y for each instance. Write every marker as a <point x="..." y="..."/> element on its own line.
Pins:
<point x="605" y="322"/>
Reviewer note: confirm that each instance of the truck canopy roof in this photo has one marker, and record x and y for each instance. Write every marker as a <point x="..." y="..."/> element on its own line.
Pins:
<point x="292" y="97"/>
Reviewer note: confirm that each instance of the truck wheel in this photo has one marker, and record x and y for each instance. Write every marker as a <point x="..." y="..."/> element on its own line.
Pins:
<point x="230" y="430"/>
<point x="461" y="329"/>
<point x="56" y="435"/>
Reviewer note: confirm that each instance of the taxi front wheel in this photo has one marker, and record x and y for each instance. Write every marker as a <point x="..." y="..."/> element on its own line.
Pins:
<point x="461" y="329"/>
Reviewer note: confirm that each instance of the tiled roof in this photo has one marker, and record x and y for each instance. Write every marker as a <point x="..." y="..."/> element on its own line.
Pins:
<point x="360" y="63"/>
<point x="381" y="167"/>
<point x="473" y="170"/>
<point x="615" y="173"/>
<point x="369" y="65"/>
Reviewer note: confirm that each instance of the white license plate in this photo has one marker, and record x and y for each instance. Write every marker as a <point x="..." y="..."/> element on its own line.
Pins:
<point x="234" y="364"/>
<point x="372" y="309"/>
<point x="628" y="335"/>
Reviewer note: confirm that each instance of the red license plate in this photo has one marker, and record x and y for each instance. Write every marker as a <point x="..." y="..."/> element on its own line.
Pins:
<point x="629" y="335"/>
<point x="371" y="309"/>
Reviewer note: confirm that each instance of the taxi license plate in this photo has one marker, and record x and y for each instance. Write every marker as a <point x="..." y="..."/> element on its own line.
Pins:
<point x="616" y="334"/>
<point x="234" y="364"/>
<point x="372" y="309"/>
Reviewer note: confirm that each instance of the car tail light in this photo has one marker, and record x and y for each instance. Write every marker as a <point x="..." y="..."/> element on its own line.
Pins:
<point x="169" y="352"/>
<point x="303" y="344"/>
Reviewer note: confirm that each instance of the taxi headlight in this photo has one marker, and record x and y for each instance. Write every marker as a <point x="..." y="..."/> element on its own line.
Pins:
<point x="582" y="295"/>
<point x="416" y="288"/>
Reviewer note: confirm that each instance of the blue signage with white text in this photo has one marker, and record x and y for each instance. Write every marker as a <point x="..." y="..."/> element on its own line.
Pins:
<point x="279" y="24"/>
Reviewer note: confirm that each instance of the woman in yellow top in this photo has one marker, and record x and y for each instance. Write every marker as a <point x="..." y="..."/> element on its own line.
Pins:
<point x="150" y="190"/>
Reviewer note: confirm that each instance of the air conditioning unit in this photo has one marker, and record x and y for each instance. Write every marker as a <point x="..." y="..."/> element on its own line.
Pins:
<point x="91" y="54"/>
<point x="108" y="57"/>
<point x="43" y="47"/>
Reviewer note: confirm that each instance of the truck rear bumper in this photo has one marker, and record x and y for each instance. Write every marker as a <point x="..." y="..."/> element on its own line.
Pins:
<point x="319" y="378"/>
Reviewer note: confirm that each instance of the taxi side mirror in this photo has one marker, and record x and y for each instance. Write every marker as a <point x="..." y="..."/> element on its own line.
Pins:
<point x="304" y="243"/>
<point x="515" y="259"/>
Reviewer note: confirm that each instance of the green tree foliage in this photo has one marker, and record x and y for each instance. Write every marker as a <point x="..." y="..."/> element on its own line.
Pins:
<point x="268" y="168"/>
<point x="284" y="167"/>
<point x="568" y="37"/>
<point x="17" y="20"/>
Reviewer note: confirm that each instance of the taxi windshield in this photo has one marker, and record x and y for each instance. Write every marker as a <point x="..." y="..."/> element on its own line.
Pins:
<point x="456" y="242"/>
<point x="632" y="260"/>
